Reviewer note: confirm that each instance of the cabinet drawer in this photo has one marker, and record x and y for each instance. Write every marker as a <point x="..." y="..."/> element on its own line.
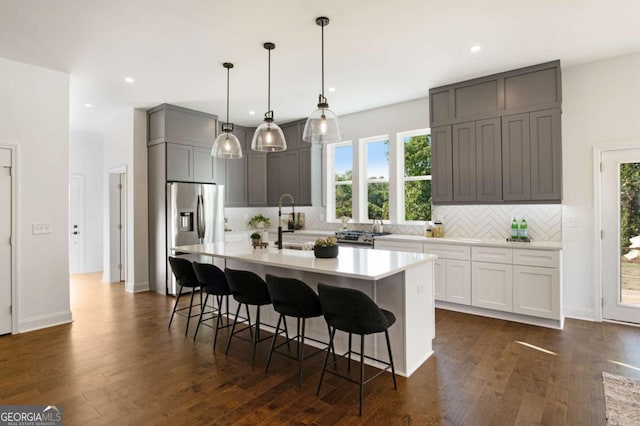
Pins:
<point x="544" y="258"/>
<point x="492" y="254"/>
<point x="399" y="246"/>
<point x="449" y="251"/>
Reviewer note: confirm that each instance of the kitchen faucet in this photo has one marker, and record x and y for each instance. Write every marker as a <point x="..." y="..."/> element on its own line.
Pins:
<point x="293" y="207"/>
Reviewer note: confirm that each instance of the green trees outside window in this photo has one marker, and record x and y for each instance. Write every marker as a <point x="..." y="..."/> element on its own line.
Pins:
<point x="417" y="177"/>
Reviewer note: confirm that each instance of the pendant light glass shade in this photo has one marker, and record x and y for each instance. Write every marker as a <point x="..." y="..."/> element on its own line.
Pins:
<point x="268" y="136"/>
<point x="227" y="144"/>
<point x="323" y="125"/>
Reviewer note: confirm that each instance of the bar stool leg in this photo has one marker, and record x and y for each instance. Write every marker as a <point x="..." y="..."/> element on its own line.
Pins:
<point x="189" y="316"/>
<point x="218" y="320"/>
<point x="333" y="350"/>
<point x="301" y="353"/>
<point x="326" y="358"/>
<point x="206" y="298"/>
<point x="256" y="336"/>
<point x="249" y="320"/>
<point x="233" y="327"/>
<point x="393" y="370"/>
<point x="361" y="371"/>
<point x="273" y="344"/>
<point x="175" y="306"/>
<point x="349" y="355"/>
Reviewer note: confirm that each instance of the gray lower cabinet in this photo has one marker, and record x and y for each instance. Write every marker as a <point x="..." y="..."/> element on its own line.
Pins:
<point x="532" y="156"/>
<point x="256" y="180"/>
<point x="441" y="165"/>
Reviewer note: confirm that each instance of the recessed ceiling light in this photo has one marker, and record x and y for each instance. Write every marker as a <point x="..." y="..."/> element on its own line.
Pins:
<point x="475" y="49"/>
<point x="332" y="89"/>
<point x="129" y="80"/>
<point x="252" y="113"/>
<point x="88" y="105"/>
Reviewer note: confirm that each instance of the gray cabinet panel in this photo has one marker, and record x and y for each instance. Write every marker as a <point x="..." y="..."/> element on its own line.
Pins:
<point x="464" y="162"/>
<point x="476" y="99"/>
<point x="256" y="180"/>
<point x="170" y="123"/>
<point x="236" y="175"/>
<point x="533" y="88"/>
<point x="179" y="162"/>
<point x="293" y="135"/>
<point x="546" y="155"/>
<point x="488" y="160"/>
<point x="203" y="166"/>
<point x="439" y="106"/>
<point x="290" y="174"/>
<point x="441" y="164"/>
<point x="274" y="161"/>
<point x="516" y="164"/>
<point x="304" y="189"/>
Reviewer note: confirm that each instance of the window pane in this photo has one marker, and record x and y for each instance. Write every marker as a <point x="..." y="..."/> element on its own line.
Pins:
<point x="417" y="200"/>
<point x="378" y="160"/>
<point x="417" y="155"/>
<point x="343" y="163"/>
<point x="343" y="201"/>
<point x="378" y="196"/>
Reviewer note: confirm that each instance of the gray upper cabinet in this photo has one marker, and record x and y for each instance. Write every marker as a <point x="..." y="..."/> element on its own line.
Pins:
<point x="293" y="134"/>
<point x="274" y="167"/>
<point x="504" y="138"/>
<point x="256" y="179"/>
<point x="179" y="162"/>
<point x="204" y="166"/>
<point x="488" y="160"/>
<point x="546" y="155"/>
<point x="522" y="90"/>
<point x="236" y="174"/>
<point x="170" y="123"/>
<point x="441" y="165"/>
<point x="464" y="162"/>
<point x="305" y="177"/>
<point x="516" y="164"/>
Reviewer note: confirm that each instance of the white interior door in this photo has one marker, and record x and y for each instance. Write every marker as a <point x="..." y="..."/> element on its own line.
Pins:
<point x="620" y="207"/>
<point x="5" y="241"/>
<point x="76" y="224"/>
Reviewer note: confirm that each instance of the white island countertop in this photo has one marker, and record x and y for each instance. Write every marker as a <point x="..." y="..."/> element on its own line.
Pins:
<point x="351" y="262"/>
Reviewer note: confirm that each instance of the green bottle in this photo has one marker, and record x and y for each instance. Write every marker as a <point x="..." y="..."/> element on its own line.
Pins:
<point x="524" y="231"/>
<point x="514" y="229"/>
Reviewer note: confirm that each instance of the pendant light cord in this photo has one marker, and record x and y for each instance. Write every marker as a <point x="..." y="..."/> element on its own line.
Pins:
<point x="324" y="99"/>
<point x="227" y="95"/>
<point x="269" y="84"/>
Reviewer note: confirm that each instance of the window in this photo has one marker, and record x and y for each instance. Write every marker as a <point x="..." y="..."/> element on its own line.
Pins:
<point x="342" y="179"/>
<point x="377" y="173"/>
<point x="416" y="182"/>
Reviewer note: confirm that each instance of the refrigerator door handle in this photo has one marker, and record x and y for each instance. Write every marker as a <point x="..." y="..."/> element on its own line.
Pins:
<point x="200" y="227"/>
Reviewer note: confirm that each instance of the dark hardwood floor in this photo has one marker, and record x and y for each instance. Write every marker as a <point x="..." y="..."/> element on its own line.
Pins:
<point x="119" y="364"/>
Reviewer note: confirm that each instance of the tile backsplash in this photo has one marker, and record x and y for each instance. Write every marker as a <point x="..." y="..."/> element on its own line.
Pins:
<point x="474" y="221"/>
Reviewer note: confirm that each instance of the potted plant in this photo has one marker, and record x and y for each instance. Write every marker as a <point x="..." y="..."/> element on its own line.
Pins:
<point x="326" y="248"/>
<point x="256" y="238"/>
<point x="259" y="221"/>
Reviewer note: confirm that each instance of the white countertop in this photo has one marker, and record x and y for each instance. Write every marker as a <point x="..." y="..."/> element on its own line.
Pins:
<point x="534" y="245"/>
<point x="351" y="262"/>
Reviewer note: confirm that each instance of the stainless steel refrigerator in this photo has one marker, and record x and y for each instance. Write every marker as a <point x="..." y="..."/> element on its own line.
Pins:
<point x="195" y="215"/>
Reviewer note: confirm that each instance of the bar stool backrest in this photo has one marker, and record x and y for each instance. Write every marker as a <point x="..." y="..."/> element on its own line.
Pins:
<point x="292" y="297"/>
<point x="351" y="310"/>
<point x="183" y="271"/>
<point x="212" y="278"/>
<point x="247" y="287"/>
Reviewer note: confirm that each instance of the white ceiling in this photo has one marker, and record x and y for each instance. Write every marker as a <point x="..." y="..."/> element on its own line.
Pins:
<point x="377" y="52"/>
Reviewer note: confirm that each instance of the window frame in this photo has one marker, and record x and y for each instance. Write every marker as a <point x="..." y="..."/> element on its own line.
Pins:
<point x="331" y="178"/>
<point x="363" y="180"/>
<point x="400" y="188"/>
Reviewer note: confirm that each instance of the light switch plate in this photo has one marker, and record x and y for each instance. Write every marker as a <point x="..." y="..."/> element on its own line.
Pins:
<point x="41" y="228"/>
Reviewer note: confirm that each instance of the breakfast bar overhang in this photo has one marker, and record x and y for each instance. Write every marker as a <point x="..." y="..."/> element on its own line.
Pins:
<point x="400" y="282"/>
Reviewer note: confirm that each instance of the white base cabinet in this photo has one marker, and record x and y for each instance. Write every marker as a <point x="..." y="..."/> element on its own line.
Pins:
<point x="536" y="291"/>
<point x="492" y="286"/>
<point x="452" y="272"/>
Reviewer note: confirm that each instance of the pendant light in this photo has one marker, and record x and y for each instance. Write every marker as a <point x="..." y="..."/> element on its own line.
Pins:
<point x="323" y="125"/>
<point x="227" y="144"/>
<point x="268" y="136"/>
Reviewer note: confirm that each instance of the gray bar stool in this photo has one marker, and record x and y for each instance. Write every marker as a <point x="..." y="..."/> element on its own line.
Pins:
<point x="293" y="298"/>
<point x="186" y="277"/>
<point x="354" y="312"/>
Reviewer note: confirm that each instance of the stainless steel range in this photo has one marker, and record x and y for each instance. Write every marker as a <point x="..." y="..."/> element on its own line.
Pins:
<point x="362" y="239"/>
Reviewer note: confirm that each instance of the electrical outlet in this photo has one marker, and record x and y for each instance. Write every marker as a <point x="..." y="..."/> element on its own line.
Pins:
<point x="41" y="228"/>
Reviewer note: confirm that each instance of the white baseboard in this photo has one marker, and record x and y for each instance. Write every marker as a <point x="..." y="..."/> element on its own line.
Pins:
<point x="136" y="287"/>
<point x="44" y="321"/>
<point x="585" y="314"/>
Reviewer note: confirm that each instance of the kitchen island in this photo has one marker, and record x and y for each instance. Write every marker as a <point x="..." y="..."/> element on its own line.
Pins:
<point x="397" y="281"/>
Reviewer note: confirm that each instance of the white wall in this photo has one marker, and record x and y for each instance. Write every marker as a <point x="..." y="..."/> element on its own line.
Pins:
<point x="125" y="146"/>
<point x="34" y="116"/>
<point x="600" y="107"/>
<point x="86" y="159"/>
